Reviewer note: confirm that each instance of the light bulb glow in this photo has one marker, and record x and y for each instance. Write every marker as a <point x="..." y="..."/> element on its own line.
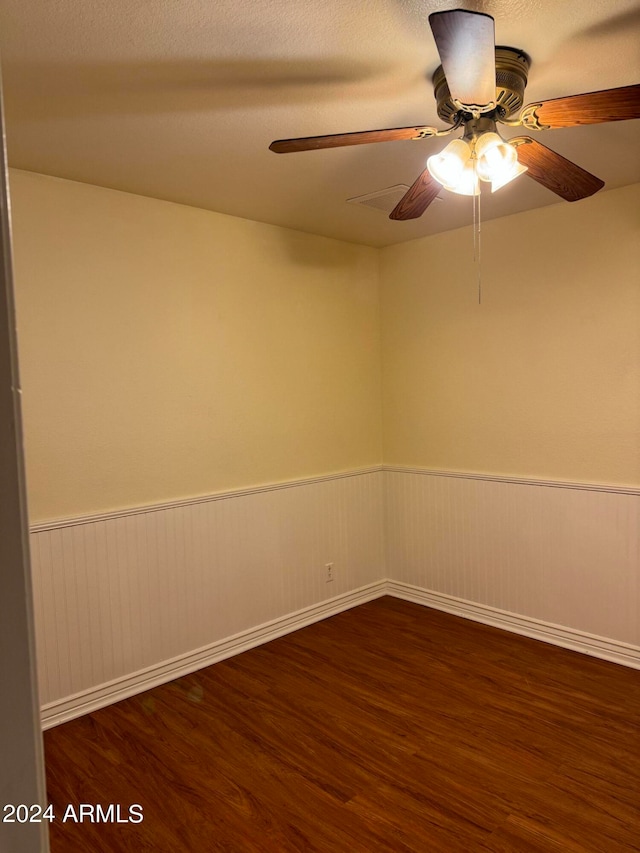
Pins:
<point x="467" y="183"/>
<point x="506" y="177"/>
<point x="496" y="159"/>
<point x="447" y="166"/>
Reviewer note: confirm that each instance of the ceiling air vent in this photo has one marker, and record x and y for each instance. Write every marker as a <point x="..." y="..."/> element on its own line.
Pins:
<point x="382" y="200"/>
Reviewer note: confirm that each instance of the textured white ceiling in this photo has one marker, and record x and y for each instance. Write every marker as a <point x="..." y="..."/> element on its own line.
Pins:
<point x="180" y="100"/>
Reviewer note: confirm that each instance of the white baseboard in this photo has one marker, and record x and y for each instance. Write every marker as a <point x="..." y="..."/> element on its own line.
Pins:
<point x="74" y="706"/>
<point x="568" y="638"/>
<point x="122" y="688"/>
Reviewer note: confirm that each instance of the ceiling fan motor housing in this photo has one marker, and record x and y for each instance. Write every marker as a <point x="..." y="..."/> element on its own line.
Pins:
<point x="512" y="69"/>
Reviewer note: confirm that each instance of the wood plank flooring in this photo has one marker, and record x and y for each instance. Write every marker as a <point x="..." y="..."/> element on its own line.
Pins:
<point x="389" y="727"/>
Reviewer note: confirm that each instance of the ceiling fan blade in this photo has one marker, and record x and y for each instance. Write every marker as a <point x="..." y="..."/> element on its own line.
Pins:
<point x="554" y="171"/>
<point x="338" y="140"/>
<point x="466" y="44"/>
<point x="591" y="108"/>
<point x="417" y="198"/>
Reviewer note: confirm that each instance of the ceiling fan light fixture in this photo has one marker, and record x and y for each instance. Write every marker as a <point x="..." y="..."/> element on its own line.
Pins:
<point x="495" y="158"/>
<point x="447" y="166"/>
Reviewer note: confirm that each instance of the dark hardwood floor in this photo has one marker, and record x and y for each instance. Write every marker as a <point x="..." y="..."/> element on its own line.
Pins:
<point x="390" y="727"/>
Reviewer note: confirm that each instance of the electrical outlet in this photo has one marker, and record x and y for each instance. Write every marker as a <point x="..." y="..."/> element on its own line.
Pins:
<point x="328" y="567"/>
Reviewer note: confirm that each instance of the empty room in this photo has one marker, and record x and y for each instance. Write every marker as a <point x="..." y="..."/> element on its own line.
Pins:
<point x="320" y="376"/>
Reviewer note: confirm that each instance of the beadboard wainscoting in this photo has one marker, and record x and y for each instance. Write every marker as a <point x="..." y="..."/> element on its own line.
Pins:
<point x="128" y="600"/>
<point x="556" y="561"/>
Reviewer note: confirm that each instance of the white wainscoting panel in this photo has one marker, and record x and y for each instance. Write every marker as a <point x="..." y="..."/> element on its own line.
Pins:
<point x="125" y="593"/>
<point x="565" y="555"/>
<point x="131" y="599"/>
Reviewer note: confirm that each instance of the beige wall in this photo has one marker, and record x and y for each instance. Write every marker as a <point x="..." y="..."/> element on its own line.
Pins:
<point x="541" y="380"/>
<point x="168" y="352"/>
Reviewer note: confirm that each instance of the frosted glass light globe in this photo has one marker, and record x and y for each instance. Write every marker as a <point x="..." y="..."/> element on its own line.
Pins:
<point x="495" y="157"/>
<point x="447" y="166"/>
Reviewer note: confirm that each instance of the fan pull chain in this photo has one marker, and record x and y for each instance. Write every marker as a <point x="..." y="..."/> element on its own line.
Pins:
<point x="477" y="218"/>
<point x="479" y="258"/>
<point x="475" y="247"/>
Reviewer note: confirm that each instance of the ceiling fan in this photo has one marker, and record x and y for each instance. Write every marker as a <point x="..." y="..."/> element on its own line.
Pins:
<point x="477" y="87"/>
